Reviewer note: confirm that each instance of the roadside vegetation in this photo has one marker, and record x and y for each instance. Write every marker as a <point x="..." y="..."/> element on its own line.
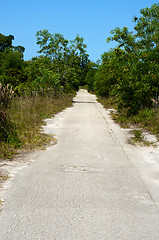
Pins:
<point x="31" y="91"/>
<point x="127" y="77"/>
<point x="21" y="124"/>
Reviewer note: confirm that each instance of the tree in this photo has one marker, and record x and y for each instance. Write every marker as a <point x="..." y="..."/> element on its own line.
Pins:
<point x="5" y="42"/>
<point x="11" y="61"/>
<point x="68" y="58"/>
<point x="41" y="77"/>
<point x="91" y="75"/>
<point x="135" y="62"/>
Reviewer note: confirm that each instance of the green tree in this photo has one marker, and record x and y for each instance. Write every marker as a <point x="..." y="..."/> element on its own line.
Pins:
<point x="11" y="62"/>
<point x="91" y="75"/>
<point x="137" y="74"/>
<point x="69" y="58"/>
<point x="5" y="42"/>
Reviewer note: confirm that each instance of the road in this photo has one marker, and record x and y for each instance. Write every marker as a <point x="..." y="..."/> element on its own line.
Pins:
<point x="92" y="185"/>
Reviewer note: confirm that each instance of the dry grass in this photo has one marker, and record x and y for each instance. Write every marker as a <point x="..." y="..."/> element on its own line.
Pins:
<point x="25" y="117"/>
<point x="147" y="119"/>
<point x="107" y="102"/>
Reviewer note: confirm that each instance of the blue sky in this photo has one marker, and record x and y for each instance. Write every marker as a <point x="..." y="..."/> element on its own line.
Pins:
<point x="92" y="20"/>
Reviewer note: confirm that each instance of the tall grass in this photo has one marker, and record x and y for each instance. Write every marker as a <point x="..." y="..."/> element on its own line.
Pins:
<point x="147" y="119"/>
<point x="23" y="120"/>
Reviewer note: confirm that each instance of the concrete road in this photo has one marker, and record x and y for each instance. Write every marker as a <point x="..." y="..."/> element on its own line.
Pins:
<point x="89" y="186"/>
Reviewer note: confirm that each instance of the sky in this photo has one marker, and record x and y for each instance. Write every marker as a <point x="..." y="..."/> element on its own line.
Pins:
<point x="91" y="19"/>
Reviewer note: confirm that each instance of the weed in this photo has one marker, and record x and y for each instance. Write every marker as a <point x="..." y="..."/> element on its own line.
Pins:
<point x="137" y="134"/>
<point x="6" y="94"/>
<point x="24" y="119"/>
<point x="3" y="177"/>
<point x="107" y="102"/>
<point x="147" y="119"/>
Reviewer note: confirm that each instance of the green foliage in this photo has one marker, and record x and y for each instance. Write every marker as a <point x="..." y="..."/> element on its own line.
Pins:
<point x="53" y="45"/>
<point x="106" y="76"/>
<point x="8" y="133"/>
<point x="11" y="62"/>
<point x="137" y="134"/>
<point x="61" y="66"/>
<point x="68" y="58"/>
<point x="5" y="42"/>
<point x="130" y="72"/>
<point x="39" y="86"/>
<point x="41" y="79"/>
<point x="90" y="75"/>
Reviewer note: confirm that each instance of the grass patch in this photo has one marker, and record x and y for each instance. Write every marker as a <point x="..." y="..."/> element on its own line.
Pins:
<point x="107" y="102"/>
<point x="23" y="121"/>
<point x="137" y="134"/>
<point x="139" y="138"/>
<point x="147" y="119"/>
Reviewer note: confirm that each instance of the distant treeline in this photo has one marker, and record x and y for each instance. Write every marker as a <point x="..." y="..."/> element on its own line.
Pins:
<point x="61" y="65"/>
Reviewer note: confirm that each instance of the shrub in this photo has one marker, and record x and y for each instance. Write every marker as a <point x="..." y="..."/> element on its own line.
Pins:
<point x="6" y="94"/>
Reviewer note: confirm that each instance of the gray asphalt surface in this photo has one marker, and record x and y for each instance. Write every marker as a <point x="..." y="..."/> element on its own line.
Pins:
<point x="86" y="187"/>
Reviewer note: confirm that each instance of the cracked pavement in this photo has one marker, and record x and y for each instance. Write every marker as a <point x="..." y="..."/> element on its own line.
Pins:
<point x="91" y="185"/>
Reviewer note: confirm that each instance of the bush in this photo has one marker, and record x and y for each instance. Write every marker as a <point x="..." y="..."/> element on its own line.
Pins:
<point x="6" y="94"/>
